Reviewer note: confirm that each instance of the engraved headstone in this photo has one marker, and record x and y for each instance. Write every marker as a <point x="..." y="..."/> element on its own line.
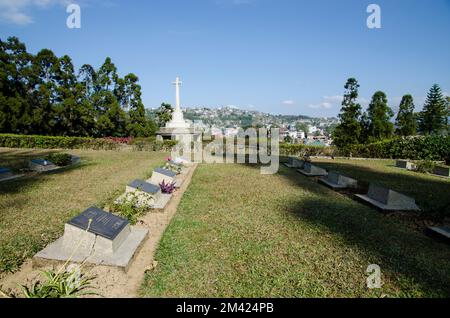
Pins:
<point x="97" y="237"/>
<point x="5" y="173"/>
<point x="41" y="165"/>
<point x="294" y="163"/>
<point x="388" y="200"/>
<point x="337" y="181"/>
<point x="159" y="175"/>
<point x="442" y="171"/>
<point x="311" y="170"/>
<point x="405" y="164"/>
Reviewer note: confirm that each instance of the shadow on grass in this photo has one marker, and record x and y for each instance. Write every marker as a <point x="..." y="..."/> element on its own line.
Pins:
<point x="431" y="194"/>
<point x="414" y="261"/>
<point x="29" y="180"/>
<point x="417" y="263"/>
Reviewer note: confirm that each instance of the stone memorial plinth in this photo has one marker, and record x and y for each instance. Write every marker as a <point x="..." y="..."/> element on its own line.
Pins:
<point x="388" y="200"/>
<point x="7" y="174"/>
<point x="76" y="160"/>
<point x="183" y="161"/>
<point x="405" y="164"/>
<point x="441" y="233"/>
<point x="159" y="175"/>
<point x="147" y="194"/>
<point x="442" y="171"/>
<point x="42" y="165"/>
<point x="96" y="237"/>
<point x="294" y="163"/>
<point x="337" y="181"/>
<point x="310" y="170"/>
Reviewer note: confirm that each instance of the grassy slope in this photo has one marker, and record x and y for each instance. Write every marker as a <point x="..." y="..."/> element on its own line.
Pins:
<point x="33" y="210"/>
<point x="240" y="234"/>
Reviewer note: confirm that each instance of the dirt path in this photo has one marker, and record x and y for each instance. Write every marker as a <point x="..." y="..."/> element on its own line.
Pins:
<point x="109" y="281"/>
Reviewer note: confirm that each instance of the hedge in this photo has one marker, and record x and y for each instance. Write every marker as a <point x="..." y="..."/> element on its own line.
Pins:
<point x="51" y="142"/>
<point x="301" y="150"/>
<point x="435" y="148"/>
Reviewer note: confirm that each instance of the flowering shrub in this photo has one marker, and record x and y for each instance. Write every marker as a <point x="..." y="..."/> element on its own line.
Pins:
<point x="167" y="188"/>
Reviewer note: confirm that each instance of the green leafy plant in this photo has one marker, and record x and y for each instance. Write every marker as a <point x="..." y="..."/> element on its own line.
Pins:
<point x="425" y="166"/>
<point x="60" y="159"/>
<point x="130" y="208"/>
<point x="67" y="284"/>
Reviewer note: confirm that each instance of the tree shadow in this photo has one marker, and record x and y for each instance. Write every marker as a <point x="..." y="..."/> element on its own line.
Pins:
<point x="415" y="261"/>
<point x="30" y="179"/>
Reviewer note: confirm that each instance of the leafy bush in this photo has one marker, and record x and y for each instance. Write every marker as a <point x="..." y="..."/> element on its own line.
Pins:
<point x="130" y="208"/>
<point x="60" y="159"/>
<point x="151" y="144"/>
<point x="425" y="166"/>
<point x="50" y="142"/>
<point x="301" y="150"/>
<point x="168" y="188"/>
<point x="121" y="140"/>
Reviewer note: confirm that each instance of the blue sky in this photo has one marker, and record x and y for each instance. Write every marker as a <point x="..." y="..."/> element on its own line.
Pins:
<point x="278" y="56"/>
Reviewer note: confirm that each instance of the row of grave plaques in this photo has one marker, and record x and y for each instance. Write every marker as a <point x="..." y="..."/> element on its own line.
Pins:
<point x="36" y="165"/>
<point x="438" y="170"/>
<point x="102" y="238"/>
<point x="382" y="198"/>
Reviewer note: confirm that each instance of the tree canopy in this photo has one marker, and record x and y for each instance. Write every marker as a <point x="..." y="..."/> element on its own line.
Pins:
<point x="42" y="94"/>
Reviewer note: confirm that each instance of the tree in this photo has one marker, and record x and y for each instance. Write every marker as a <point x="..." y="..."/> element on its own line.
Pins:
<point x="347" y="133"/>
<point x="40" y="94"/>
<point x="434" y="117"/>
<point x="164" y="114"/>
<point x="406" y="120"/>
<point x="379" y="115"/>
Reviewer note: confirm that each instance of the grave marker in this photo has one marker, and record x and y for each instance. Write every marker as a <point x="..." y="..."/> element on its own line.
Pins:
<point x="442" y="233"/>
<point x="337" y="181"/>
<point x="159" y="175"/>
<point x="442" y="171"/>
<point x="405" y="164"/>
<point x="310" y="170"/>
<point x="388" y="200"/>
<point x="98" y="237"/>
<point x="42" y="165"/>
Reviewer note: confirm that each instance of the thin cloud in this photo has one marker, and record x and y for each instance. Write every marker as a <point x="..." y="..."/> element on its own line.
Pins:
<point x="327" y="102"/>
<point x="288" y="102"/>
<point x="18" y="12"/>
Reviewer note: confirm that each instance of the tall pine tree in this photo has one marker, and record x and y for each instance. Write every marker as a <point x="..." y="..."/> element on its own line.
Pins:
<point x="406" y="121"/>
<point x="434" y="117"/>
<point x="348" y="132"/>
<point x="379" y="114"/>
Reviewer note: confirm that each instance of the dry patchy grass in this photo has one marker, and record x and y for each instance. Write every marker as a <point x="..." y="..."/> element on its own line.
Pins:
<point x="33" y="210"/>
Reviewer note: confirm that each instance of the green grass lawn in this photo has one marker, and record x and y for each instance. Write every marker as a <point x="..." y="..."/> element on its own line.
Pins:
<point x="241" y="234"/>
<point x="33" y="210"/>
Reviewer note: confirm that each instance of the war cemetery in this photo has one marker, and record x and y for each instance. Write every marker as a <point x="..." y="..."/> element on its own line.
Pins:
<point x="102" y="196"/>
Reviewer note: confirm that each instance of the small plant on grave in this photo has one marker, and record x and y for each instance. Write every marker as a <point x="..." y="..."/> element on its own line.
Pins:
<point x="172" y="167"/>
<point x="59" y="159"/>
<point x="130" y="208"/>
<point x="66" y="284"/>
<point x="167" y="188"/>
<point x="425" y="166"/>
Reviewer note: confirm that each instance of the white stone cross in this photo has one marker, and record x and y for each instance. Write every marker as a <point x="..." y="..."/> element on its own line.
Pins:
<point x="177" y="84"/>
